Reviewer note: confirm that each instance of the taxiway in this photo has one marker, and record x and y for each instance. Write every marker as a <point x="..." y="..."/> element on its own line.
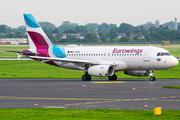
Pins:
<point x="95" y="94"/>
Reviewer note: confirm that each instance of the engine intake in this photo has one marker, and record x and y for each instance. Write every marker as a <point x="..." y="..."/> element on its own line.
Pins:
<point x="101" y="70"/>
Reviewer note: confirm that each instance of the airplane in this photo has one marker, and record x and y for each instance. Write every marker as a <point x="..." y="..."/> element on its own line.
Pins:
<point x="96" y="61"/>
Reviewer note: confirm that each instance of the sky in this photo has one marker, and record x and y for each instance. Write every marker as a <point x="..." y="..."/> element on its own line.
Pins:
<point x="134" y="12"/>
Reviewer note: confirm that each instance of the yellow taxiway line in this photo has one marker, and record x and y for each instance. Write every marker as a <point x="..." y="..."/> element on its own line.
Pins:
<point x="110" y="82"/>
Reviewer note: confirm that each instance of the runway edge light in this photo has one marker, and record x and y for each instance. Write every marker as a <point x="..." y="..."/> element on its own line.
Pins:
<point x="157" y="111"/>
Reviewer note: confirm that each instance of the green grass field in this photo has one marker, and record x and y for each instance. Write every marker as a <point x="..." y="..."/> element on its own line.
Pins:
<point x="87" y="114"/>
<point x="4" y="54"/>
<point x="35" y="69"/>
<point x="172" y="86"/>
<point x="174" y="50"/>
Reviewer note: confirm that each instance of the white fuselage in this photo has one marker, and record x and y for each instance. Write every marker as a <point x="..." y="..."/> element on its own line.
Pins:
<point x="125" y="57"/>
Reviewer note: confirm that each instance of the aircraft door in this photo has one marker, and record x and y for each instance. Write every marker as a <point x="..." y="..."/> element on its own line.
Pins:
<point x="146" y="55"/>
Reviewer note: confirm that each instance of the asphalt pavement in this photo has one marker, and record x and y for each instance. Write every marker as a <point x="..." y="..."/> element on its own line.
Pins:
<point x="95" y="94"/>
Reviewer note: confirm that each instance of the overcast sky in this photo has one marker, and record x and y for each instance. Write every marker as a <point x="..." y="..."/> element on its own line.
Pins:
<point x="134" y="12"/>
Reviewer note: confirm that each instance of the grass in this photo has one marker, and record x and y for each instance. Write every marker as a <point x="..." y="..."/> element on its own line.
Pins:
<point x="172" y="86"/>
<point x="175" y="50"/>
<point x="4" y="54"/>
<point x="87" y="114"/>
<point x="35" y="69"/>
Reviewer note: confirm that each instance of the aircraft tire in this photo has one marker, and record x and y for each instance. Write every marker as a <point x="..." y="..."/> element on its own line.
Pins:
<point x="152" y="79"/>
<point x="86" y="78"/>
<point x="113" y="77"/>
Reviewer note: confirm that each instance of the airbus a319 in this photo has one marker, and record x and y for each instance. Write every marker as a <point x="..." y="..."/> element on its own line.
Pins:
<point x="96" y="61"/>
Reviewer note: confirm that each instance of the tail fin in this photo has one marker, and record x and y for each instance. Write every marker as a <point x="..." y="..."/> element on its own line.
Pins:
<point x="38" y="40"/>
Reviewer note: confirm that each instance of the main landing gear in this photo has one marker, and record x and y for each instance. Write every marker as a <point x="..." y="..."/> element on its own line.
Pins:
<point x="113" y="77"/>
<point x="152" y="78"/>
<point x="86" y="77"/>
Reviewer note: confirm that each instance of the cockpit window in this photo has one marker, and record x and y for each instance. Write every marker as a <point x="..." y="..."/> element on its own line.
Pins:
<point x="158" y="54"/>
<point x="163" y="54"/>
<point x="168" y="54"/>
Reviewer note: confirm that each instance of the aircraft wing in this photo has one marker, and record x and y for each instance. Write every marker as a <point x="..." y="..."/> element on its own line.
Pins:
<point x="71" y="60"/>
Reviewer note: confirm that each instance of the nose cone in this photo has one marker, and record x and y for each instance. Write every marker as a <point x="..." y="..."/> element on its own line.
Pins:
<point x="174" y="62"/>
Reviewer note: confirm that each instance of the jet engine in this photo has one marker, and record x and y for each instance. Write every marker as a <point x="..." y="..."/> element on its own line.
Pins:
<point x="137" y="73"/>
<point x="101" y="70"/>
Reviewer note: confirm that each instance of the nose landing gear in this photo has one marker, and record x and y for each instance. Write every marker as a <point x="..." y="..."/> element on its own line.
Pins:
<point x="152" y="78"/>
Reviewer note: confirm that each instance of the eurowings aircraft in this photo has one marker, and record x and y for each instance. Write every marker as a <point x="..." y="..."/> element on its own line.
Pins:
<point x="96" y="61"/>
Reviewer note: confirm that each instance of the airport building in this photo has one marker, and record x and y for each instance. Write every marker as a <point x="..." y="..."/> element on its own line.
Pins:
<point x="15" y="41"/>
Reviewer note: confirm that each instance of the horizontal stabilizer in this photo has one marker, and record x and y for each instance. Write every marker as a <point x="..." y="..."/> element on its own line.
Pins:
<point x="27" y="53"/>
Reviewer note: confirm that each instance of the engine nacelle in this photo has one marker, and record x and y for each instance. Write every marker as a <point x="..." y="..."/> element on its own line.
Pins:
<point x="101" y="70"/>
<point x="137" y="73"/>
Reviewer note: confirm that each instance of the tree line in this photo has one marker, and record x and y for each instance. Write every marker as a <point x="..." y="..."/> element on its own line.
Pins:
<point x="93" y="32"/>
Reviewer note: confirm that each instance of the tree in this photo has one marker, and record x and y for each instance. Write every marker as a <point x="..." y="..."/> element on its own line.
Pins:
<point x="71" y="38"/>
<point x="113" y="26"/>
<point x="67" y="25"/>
<point x="91" y="37"/>
<point x="18" y="34"/>
<point x="9" y="35"/>
<point x="92" y="27"/>
<point x="124" y="27"/>
<point x="101" y="34"/>
<point x="178" y="29"/>
<point x="48" y="25"/>
<point x="55" y="30"/>
<point x="105" y="25"/>
<point x="81" y="29"/>
<point x="124" y="39"/>
<point x="152" y="29"/>
<point x="113" y="34"/>
<point x="70" y="31"/>
<point x="128" y="34"/>
<point x="103" y="38"/>
<point x="2" y="29"/>
<point x="169" y="24"/>
<point x="141" y="30"/>
<point x="139" y="35"/>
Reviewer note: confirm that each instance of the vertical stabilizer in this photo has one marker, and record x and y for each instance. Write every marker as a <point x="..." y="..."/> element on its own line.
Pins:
<point x="38" y="40"/>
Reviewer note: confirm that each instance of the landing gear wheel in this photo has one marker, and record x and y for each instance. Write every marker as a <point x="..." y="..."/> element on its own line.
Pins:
<point x="113" y="77"/>
<point x="152" y="78"/>
<point x="86" y="78"/>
